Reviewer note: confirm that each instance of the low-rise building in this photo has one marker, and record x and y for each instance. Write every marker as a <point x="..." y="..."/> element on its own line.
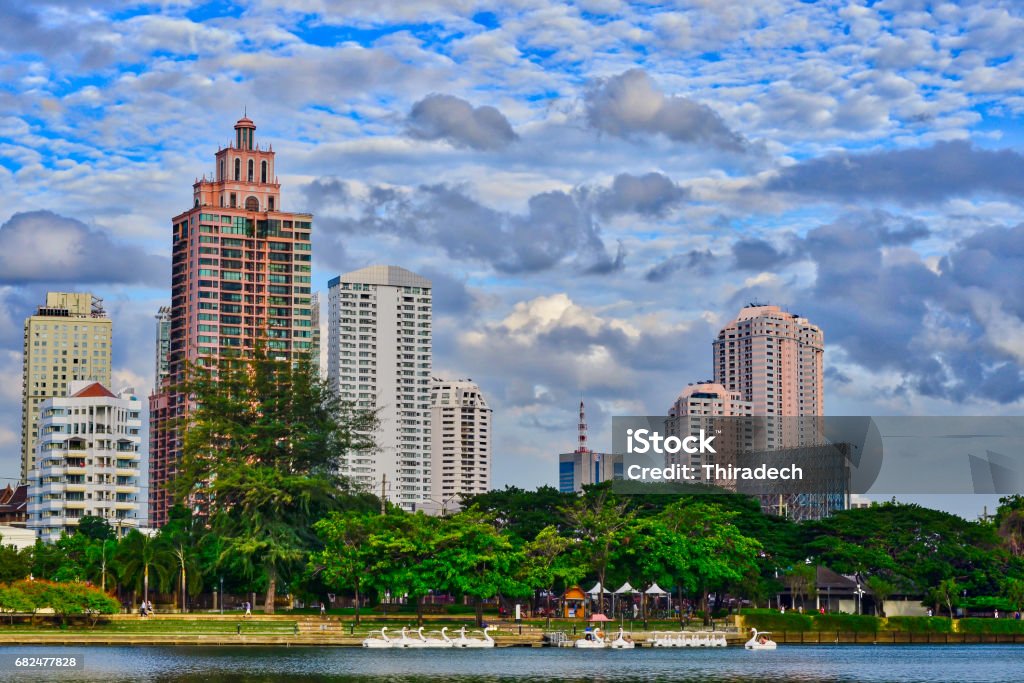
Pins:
<point x="87" y="460"/>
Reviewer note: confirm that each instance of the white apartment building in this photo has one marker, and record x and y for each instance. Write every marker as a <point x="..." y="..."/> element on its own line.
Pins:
<point x="87" y="460"/>
<point x="379" y="356"/>
<point x="460" y="443"/>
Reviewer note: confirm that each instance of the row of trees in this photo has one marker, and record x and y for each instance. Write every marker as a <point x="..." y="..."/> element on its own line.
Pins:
<point x="692" y="544"/>
<point x="262" y="451"/>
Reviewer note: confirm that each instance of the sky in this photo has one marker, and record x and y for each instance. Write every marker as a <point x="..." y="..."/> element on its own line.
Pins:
<point x="594" y="187"/>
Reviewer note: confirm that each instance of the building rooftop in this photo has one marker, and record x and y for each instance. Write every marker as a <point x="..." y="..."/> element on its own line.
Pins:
<point x="94" y="390"/>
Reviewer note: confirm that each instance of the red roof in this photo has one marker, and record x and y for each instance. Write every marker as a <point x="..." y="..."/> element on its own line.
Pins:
<point x="94" y="390"/>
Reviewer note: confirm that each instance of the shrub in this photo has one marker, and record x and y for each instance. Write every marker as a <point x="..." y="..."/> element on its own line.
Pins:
<point x="854" y="623"/>
<point x="770" y="620"/>
<point x="919" y="624"/>
<point x="986" y="626"/>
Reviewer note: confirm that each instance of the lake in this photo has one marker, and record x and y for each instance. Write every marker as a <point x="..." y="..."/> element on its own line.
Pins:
<point x="926" y="663"/>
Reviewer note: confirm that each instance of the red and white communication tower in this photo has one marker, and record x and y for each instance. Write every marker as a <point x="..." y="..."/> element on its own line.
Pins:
<point x="581" y="447"/>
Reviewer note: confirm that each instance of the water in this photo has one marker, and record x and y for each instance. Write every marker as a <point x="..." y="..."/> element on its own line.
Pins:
<point x="904" y="663"/>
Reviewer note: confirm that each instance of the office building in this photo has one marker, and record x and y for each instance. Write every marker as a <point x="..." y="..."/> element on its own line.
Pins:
<point x="240" y="277"/>
<point x="379" y="356"/>
<point x="87" y="460"/>
<point x="460" y="424"/>
<point x="67" y="339"/>
<point x="584" y="466"/>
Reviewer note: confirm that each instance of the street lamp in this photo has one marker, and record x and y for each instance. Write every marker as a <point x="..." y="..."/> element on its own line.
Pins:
<point x="220" y="600"/>
<point x="860" y="594"/>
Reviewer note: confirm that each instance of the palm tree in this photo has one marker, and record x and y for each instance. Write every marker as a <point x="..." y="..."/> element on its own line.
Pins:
<point x="140" y="556"/>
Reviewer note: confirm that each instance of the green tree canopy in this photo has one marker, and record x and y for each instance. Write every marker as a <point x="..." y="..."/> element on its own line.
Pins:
<point x="261" y="454"/>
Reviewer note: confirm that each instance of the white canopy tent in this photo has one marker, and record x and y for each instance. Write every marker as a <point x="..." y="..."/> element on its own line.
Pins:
<point x="655" y="589"/>
<point x="596" y="590"/>
<point x="624" y="589"/>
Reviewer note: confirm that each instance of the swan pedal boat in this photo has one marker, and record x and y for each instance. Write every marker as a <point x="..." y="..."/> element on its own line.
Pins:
<point x="463" y="641"/>
<point x="755" y="642"/>
<point x="596" y="640"/>
<point x="621" y="643"/>
<point x="383" y="641"/>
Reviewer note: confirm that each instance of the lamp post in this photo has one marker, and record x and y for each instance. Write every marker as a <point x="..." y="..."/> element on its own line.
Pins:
<point x="860" y="594"/>
<point x="220" y="601"/>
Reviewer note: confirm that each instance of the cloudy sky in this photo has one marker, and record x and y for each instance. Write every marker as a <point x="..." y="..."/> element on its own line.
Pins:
<point x="593" y="186"/>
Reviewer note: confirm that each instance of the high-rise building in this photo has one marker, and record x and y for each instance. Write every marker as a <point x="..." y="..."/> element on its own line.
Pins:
<point x="240" y="277"/>
<point x="163" y="346"/>
<point x="774" y="360"/>
<point x="68" y="339"/>
<point x="460" y="426"/>
<point x="710" y="408"/>
<point x="87" y="460"/>
<point x="379" y="355"/>
<point x="314" y="351"/>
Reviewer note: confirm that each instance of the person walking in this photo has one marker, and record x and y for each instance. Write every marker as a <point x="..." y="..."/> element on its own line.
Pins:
<point x="323" y="610"/>
<point x="248" y="608"/>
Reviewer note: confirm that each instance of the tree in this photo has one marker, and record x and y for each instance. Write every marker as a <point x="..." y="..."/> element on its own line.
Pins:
<point x="473" y="558"/>
<point x="880" y="591"/>
<point x="95" y="528"/>
<point x="1013" y="589"/>
<point x="261" y="452"/>
<point x="101" y="554"/>
<point x="710" y="551"/>
<point x="547" y="561"/>
<point x="14" y="564"/>
<point x="402" y="547"/>
<point x="14" y="600"/>
<point x="180" y="539"/>
<point x="344" y="562"/>
<point x="141" y="556"/>
<point x="597" y="520"/>
<point x="1010" y="523"/>
<point x="522" y="514"/>
<point x="946" y="593"/>
<point x="800" y="579"/>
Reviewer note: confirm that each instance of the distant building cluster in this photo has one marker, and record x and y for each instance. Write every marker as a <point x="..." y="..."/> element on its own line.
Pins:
<point x="767" y="364"/>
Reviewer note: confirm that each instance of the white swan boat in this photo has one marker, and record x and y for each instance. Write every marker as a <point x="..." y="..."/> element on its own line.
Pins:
<point x="383" y="641"/>
<point x="443" y="641"/>
<point x="760" y="641"/>
<point x="622" y="642"/>
<point x="592" y="640"/>
<point x="463" y="641"/>
<point x="668" y="639"/>
<point x="407" y="641"/>
<point x="717" y="639"/>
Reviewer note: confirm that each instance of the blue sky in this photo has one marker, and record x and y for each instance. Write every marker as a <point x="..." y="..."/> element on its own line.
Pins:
<point x="594" y="186"/>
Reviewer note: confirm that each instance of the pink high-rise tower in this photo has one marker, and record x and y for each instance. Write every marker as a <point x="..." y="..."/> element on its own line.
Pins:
<point x="240" y="276"/>
<point x="774" y="360"/>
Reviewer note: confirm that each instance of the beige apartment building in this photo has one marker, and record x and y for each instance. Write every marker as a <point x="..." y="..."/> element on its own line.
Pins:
<point x="68" y="339"/>
<point x="460" y="443"/>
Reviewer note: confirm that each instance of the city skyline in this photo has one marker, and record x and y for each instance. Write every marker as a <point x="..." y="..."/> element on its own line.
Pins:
<point x="592" y="188"/>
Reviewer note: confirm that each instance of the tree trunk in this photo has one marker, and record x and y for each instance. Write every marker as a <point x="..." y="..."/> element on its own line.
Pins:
<point x="268" y="601"/>
<point x="680" y="603"/>
<point x="357" y="604"/>
<point x="479" y="613"/>
<point x="704" y="604"/>
<point x="145" y="584"/>
<point x="419" y="611"/>
<point x="547" y="608"/>
<point x="183" y="589"/>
